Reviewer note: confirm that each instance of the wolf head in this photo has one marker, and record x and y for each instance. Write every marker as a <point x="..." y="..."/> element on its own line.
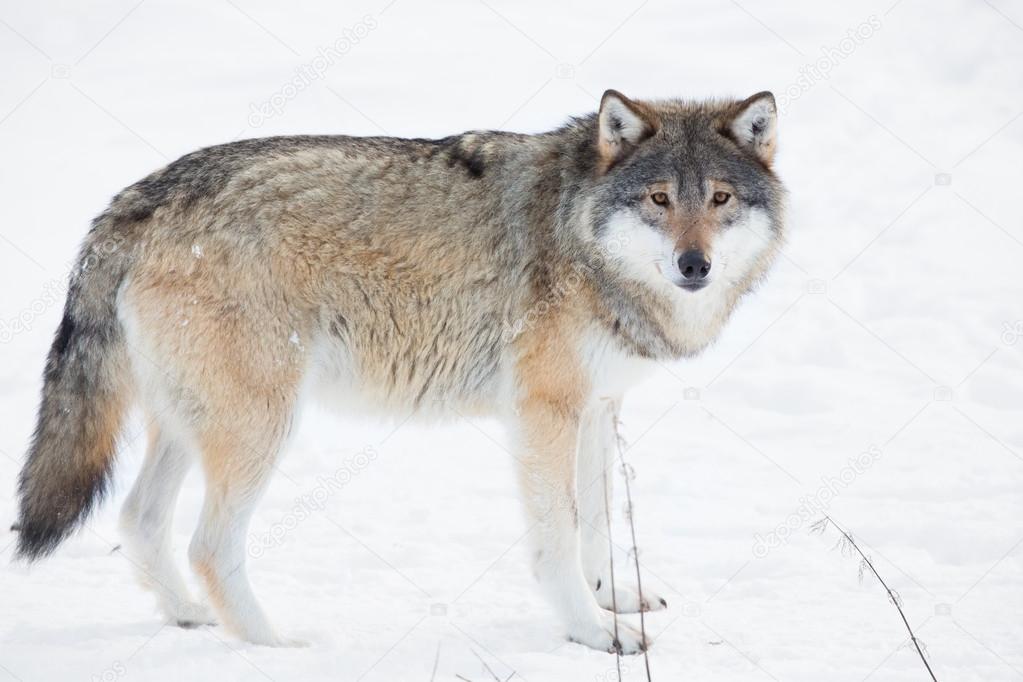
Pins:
<point x="686" y="196"/>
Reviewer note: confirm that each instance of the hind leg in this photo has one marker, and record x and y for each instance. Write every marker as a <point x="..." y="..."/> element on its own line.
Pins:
<point x="233" y="374"/>
<point x="146" y="524"/>
<point x="237" y="469"/>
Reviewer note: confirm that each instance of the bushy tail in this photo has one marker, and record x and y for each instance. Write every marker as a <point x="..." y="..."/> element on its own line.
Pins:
<point x="85" y="396"/>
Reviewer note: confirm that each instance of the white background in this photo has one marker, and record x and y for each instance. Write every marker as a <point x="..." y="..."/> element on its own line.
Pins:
<point x="894" y="321"/>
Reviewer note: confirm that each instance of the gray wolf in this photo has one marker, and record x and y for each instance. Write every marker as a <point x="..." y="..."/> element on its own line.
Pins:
<point x="530" y="277"/>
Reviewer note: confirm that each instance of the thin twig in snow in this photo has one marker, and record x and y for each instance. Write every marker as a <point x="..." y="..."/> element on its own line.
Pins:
<point x="626" y="474"/>
<point x="820" y="527"/>
<point x="485" y="666"/>
<point x="436" y="660"/>
<point x="611" y="565"/>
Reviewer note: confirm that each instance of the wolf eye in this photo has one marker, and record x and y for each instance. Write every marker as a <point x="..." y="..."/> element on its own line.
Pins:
<point x="659" y="198"/>
<point x="721" y="198"/>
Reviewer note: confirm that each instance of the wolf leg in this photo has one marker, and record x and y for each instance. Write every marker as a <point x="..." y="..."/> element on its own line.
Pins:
<point x="548" y="437"/>
<point x="146" y="523"/>
<point x="237" y="467"/>
<point x="595" y="477"/>
<point x="597" y="469"/>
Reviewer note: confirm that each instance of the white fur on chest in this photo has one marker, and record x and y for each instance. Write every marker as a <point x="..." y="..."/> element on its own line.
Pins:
<point x="611" y="370"/>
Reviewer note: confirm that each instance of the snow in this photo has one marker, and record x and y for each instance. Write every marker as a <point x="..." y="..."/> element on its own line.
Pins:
<point x="887" y="343"/>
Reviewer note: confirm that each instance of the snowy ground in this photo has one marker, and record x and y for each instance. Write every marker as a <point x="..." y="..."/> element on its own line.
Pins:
<point x="891" y="334"/>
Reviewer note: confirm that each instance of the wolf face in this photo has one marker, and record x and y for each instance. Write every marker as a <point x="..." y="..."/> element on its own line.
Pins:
<point x="688" y="189"/>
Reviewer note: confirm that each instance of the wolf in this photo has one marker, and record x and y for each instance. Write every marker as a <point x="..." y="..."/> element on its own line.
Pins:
<point x="534" y="278"/>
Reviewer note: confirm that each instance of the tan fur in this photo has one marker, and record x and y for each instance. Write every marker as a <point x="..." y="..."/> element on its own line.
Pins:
<point x="469" y="275"/>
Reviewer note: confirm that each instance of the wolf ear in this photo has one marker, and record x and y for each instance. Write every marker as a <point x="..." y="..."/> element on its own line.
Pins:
<point x="622" y="124"/>
<point x="755" y="125"/>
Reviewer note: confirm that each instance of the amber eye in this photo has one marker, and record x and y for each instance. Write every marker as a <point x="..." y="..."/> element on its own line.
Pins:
<point x="721" y="198"/>
<point x="659" y="198"/>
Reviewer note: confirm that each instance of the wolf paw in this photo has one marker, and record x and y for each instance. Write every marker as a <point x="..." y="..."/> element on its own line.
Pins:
<point x="192" y="615"/>
<point x="281" y="642"/>
<point x="627" y="599"/>
<point x="601" y="636"/>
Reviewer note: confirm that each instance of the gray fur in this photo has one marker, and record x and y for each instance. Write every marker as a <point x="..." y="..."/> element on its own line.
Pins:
<point x="219" y="289"/>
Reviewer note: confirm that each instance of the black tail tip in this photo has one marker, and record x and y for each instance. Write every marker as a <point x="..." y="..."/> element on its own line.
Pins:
<point x="36" y="541"/>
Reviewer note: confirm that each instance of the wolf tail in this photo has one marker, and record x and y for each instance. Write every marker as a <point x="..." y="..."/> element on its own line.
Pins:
<point x="86" y="392"/>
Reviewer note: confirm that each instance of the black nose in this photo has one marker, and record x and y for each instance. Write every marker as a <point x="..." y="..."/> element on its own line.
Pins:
<point x="693" y="265"/>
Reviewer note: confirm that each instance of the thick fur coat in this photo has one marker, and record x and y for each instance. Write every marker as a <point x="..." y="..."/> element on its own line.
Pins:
<point x="531" y="277"/>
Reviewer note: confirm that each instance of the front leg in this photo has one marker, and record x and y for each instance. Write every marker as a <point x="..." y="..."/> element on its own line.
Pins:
<point x="598" y="448"/>
<point x="547" y="457"/>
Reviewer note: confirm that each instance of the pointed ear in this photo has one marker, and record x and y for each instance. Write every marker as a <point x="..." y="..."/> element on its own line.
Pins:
<point x="755" y="125"/>
<point x="622" y="125"/>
